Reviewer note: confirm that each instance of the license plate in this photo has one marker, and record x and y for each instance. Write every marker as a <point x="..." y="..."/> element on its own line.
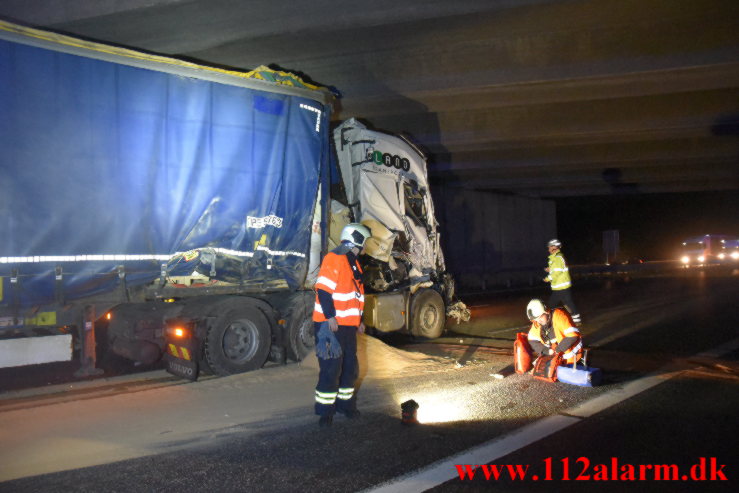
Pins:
<point x="182" y="368"/>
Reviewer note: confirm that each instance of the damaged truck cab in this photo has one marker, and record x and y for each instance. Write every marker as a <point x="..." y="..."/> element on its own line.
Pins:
<point x="386" y="184"/>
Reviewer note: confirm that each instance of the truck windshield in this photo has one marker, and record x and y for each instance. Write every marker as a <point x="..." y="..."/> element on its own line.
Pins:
<point x="414" y="206"/>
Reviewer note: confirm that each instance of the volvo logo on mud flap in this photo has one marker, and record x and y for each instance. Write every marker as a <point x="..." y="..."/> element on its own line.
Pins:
<point x="390" y="160"/>
<point x="182" y="368"/>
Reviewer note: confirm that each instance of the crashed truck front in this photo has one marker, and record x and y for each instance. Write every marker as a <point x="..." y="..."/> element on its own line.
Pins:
<point x="386" y="185"/>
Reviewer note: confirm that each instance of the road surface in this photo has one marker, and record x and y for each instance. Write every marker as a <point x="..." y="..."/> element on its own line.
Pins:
<point x="667" y="345"/>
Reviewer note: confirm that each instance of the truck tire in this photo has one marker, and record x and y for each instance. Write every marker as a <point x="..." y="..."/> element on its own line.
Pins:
<point x="428" y="314"/>
<point x="238" y="341"/>
<point x="301" y="337"/>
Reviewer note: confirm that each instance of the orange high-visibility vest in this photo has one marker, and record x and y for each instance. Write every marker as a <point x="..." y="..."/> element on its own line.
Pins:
<point x="336" y="277"/>
<point x="563" y="327"/>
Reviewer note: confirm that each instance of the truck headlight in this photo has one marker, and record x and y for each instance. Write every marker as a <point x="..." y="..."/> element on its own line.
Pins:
<point x="735" y="255"/>
<point x="721" y="256"/>
<point x="701" y="259"/>
<point x="685" y="259"/>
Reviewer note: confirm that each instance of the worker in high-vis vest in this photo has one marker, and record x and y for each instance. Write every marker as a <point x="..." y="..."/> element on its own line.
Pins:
<point x="337" y="318"/>
<point x="552" y="331"/>
<point x="558" y="277"/>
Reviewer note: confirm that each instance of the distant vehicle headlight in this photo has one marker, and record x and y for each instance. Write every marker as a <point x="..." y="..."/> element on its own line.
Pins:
<point x="701" y="259"/>
<point x="721" y="256"/>
<point x="685" y="259"/>
<point x="735" y="255"/>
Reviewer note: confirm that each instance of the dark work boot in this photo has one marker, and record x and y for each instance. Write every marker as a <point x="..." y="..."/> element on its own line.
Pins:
<point x="325" y="421"/>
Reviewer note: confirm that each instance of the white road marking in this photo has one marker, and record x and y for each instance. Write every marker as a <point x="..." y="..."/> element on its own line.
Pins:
<point x="445" y="470"/>
<point x="617" y="335"/>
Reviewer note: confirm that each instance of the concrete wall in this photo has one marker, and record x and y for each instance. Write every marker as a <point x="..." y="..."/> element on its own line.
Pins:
<point x="493" y="240"/>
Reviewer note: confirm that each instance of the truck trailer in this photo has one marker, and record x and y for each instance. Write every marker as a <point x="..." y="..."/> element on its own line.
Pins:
<point x="183" y="209"/>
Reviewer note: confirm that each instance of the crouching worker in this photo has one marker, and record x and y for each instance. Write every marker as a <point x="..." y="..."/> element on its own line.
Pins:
<point x="553" y="332"/>
<point x="337" y="318"/>
<point x="552" y="339"/>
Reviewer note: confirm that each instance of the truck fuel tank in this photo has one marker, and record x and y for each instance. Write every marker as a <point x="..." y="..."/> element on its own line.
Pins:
<point x="385" y="312"/>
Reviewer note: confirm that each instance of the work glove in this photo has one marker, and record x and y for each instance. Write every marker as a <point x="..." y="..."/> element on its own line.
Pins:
<point x="328" y="346"/>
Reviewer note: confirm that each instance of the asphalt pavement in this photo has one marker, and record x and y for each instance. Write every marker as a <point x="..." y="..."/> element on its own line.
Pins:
<point x="174" y="436"/>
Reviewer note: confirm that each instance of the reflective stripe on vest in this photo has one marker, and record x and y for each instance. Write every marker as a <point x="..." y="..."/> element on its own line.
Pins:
<point x="569" y="332"/>
<point x="563" y="285"/>
<point x="351" y="312"/>
<point x="331" y="285"/>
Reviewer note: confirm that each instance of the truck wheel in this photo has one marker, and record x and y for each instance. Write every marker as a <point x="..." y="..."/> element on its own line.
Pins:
<point x="427" y="314"/>
<point x="302" y="340"/>
<point x="238" y="341"/>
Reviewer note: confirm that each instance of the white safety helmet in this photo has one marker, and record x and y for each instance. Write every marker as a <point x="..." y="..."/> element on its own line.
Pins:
<point x="356" y="234"/>
<point x="535" y="309"/>
<point x="555" y="243"/>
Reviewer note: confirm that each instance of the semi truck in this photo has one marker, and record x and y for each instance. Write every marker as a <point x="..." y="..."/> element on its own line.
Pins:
<point x="707" y="249"/>
<point x="182" y="210"/>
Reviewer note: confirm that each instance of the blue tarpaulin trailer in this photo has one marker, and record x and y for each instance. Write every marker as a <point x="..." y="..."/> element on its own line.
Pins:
<point x="121" y="169"/>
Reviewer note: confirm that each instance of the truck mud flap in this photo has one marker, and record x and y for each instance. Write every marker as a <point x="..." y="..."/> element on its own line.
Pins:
<point x="182" y="368"/>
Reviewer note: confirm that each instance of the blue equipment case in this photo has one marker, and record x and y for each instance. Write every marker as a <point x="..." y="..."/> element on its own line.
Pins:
<point x="579" y="375"/>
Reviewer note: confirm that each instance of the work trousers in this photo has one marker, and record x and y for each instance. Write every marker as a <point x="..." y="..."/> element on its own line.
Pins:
<point x="337" y="376"/>
<point x="564" y="297"/>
